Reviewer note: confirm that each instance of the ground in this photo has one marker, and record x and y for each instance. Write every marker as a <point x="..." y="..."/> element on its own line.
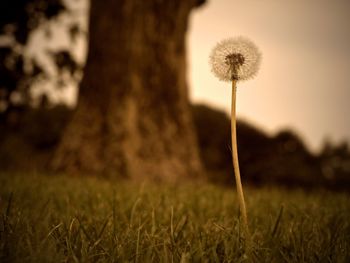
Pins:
<point x="77" y="219"/>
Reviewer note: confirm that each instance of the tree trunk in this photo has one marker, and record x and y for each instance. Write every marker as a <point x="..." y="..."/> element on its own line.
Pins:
<point x="133" y="117"/>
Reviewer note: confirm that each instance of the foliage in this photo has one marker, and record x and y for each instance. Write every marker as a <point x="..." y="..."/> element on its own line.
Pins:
<point x="19" y="17"/>
<point x="65" y="219"/>
<point x="18" y="20"/>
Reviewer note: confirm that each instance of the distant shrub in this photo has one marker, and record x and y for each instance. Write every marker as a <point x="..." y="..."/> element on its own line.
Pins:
<point x="29" y="136"/>
<point x="282" y="159"/>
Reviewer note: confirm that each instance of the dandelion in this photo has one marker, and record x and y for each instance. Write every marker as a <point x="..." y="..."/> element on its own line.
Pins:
<point x="236" y="59"/>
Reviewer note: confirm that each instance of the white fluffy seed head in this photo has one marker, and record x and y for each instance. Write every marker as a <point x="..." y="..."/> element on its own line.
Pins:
<point x="235" y="59"/>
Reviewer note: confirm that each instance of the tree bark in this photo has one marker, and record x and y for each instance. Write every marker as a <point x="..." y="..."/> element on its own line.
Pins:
<point x="133" y="117"/>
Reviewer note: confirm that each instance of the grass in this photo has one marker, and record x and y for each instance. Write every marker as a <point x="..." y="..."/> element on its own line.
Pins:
<point x="62" y="219"/>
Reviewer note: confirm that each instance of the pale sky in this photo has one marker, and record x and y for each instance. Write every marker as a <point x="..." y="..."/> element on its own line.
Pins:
<point x="304" y="80"/>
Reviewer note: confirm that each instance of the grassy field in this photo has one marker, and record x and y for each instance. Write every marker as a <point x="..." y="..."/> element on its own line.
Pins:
<point x="61" y="219"/>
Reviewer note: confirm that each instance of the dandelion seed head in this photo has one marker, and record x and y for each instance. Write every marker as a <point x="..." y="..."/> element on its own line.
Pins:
<point x="235" y="59"/>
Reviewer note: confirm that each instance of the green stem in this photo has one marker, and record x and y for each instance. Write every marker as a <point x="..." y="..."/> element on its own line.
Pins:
<point x="236" y="165"/>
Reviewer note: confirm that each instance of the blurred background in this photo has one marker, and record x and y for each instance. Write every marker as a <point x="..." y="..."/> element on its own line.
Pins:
<point x="293" y="129"/>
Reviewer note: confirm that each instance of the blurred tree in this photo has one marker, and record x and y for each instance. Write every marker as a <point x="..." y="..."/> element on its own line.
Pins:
<point x="133" y="117"/>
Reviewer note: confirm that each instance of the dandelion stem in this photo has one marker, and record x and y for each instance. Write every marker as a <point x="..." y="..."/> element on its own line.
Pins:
<point x="236" y="165"/>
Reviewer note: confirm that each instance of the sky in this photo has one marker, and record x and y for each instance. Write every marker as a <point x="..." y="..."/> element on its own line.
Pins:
<point x="304" y="80"/>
